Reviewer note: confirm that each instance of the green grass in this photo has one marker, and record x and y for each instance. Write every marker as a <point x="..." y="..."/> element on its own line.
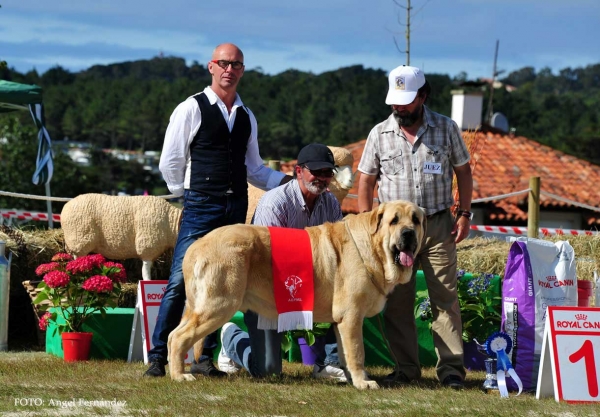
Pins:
<point x="62" y="387"/>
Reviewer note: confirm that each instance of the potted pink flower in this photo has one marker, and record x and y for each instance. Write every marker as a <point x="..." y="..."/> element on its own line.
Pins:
<point x="76" y="289"/>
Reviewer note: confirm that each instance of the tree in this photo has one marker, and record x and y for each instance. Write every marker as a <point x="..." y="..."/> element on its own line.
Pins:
<point x="520" y="77"/>
<point x="128" y="105"/>
<point x="18" y="151"/>
<point x="18" y="148"/>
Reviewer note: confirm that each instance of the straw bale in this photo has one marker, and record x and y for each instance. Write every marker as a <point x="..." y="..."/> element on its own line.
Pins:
<point x="483" y="255"/>
<point x="490" y="255"/>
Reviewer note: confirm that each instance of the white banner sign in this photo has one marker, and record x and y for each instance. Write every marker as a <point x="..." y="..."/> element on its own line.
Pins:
<point x="150" y="293"/>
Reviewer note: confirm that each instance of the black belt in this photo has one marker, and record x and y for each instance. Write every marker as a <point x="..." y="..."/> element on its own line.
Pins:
<point x="438" y="213"/>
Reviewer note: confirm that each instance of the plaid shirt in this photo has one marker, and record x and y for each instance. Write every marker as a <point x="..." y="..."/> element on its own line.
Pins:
<point x="405" y="171"/>
<point x="284" y="206"/>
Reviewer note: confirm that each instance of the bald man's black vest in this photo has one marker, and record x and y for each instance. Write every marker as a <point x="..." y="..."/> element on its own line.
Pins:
<point x="219" y="156"/>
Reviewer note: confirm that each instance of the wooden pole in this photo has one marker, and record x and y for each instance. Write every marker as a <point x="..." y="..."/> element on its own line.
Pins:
<point x="533" y="209"/>
<point x="49" y="207"/>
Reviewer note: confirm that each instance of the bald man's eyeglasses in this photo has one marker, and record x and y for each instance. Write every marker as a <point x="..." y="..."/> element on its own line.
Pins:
<point x="236" y="65"/>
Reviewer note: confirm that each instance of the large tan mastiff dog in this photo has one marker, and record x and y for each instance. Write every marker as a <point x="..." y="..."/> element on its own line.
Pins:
<point x="357" y="263"/>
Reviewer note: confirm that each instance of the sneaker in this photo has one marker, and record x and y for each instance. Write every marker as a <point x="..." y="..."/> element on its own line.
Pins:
<point x="207" y="368"/>
<point x="330" y="372"/>
<point x="454" y="382"/>
<point x="224" y="362"/>
<point x="396" y="377"/>
<point x="156" y="369"/>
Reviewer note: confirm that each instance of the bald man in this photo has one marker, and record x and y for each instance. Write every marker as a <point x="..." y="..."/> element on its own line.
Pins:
<point x="209" y="155"/>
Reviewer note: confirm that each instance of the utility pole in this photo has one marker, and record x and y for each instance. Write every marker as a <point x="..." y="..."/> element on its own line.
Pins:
<point x="407" y="32"/>
<point x="409" y="15"/>
<point x="495" y="73"/>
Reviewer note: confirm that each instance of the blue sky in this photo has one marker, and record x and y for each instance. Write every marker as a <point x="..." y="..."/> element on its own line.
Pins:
<point x="447" y="37"/>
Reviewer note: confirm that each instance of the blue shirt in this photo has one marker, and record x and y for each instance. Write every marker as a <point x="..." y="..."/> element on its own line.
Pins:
<point x="284" y="206"/>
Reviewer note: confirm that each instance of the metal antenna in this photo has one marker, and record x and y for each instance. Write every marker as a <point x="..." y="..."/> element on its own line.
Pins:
<point x="495" y="73"/>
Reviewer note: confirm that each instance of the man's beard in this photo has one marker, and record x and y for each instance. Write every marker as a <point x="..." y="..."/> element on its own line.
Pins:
<point x="407" y="119"/>
<point x="316" y="187"/>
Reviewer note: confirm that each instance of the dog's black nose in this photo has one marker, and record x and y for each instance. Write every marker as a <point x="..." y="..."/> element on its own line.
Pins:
<point x="408" y="239"/>
<point x="407" y="234"/>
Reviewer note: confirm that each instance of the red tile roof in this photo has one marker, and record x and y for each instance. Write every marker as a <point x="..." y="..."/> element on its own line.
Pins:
<point x="503" y="164"/>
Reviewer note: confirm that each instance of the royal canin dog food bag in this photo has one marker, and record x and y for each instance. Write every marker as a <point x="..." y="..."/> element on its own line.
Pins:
<point x="538" y="274"/>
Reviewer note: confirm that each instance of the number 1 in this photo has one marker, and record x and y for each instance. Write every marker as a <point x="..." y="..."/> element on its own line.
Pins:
<point x="586" y="352"/>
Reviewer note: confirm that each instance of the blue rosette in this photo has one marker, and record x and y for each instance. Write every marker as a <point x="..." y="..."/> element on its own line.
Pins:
<point x="498" y="346"/>
<point x="498" y="341"/>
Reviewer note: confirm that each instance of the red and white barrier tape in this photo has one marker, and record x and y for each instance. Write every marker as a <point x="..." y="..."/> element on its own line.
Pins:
<point x="545" y="231"/>
<point x="510" y="230"/>
<point x="28" y="215"/>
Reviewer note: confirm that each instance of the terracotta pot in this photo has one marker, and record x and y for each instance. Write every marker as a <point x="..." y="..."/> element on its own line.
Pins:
<point x="76" y="346"/>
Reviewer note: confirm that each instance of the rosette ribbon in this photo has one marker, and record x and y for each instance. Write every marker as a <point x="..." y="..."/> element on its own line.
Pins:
<point x="498" y="345"/>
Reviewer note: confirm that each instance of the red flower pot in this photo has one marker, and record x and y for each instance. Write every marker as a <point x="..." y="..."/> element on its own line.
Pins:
<point x="585" y="292"/>
<point x="76" y="346"/>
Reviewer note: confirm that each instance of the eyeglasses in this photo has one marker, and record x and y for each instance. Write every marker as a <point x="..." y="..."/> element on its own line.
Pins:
<point x="323" y="173"/>
<point x="236" y="65"/>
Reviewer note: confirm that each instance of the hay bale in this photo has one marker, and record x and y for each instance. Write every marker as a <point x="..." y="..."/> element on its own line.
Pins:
<point x="482" y="255"/>
<point x="490" y="255"/>
<point x="128" y="296"/>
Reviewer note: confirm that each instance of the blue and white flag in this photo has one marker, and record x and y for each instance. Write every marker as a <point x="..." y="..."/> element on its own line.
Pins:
<point x="43" y="165"/>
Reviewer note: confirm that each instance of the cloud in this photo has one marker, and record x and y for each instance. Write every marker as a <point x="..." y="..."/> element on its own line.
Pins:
<point x="313" y="35"/>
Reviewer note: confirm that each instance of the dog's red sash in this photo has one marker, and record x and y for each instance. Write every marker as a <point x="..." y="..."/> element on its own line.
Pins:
<point x="291" y="259"/>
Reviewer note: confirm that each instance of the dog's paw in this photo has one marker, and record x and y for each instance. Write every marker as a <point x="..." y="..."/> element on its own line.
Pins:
<point x="183" y="377"/>
<point x="365" y="384"/>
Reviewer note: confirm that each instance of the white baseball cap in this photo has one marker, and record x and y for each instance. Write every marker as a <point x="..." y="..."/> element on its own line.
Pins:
<point x="404" y="83"/>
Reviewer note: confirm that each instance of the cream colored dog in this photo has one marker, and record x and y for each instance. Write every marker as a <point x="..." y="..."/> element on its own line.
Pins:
<point x="357" y="263"/>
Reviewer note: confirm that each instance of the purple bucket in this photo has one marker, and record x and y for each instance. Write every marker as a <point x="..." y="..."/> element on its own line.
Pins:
<point x="310" y="353"/>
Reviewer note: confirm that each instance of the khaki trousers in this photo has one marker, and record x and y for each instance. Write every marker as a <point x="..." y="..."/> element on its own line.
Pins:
<point x="437" y="258"/>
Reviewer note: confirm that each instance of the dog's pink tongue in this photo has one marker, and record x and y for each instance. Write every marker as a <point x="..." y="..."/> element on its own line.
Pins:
<point x="407" y="258"/>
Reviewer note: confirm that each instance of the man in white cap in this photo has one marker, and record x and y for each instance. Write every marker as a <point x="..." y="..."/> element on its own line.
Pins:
<point x="413" y="155"/>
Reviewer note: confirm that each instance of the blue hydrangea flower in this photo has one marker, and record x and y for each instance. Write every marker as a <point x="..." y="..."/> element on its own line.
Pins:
<point x="424" y="309"/>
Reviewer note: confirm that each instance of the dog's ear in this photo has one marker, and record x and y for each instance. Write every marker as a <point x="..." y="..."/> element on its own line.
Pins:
<point x="375" y="220"/>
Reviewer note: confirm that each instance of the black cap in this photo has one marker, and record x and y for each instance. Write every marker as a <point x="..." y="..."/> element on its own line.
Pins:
<point x="316" y="156"/>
